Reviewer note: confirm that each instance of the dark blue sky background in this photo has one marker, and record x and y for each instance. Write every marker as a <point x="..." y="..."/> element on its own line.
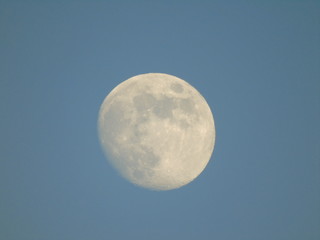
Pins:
<point x="257" y="63"/>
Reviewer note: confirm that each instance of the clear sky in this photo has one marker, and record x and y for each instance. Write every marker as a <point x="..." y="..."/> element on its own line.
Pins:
<point x="257" y="63"/>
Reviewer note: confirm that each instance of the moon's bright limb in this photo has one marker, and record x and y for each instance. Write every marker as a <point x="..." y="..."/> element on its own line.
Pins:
<point x="157" y="131"/>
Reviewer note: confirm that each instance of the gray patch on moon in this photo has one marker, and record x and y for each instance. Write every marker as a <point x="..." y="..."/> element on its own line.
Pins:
<point x="176" y="87"/>
<point x="144" y="102"/>
<point x="148" y="157"/>
<point x="138" y="174"/>
<point x="187" y="105"/>
<point x="136" y="134"/>
<point x="164" y="107"/>
<point x="184" y="124"/>
<point x="145" y="158"/>
<point x="140" y="160"/>
<point x="115" y="120"/>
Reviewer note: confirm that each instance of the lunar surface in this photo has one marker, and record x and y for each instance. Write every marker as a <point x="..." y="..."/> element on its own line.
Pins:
<point x="157" y="131"/>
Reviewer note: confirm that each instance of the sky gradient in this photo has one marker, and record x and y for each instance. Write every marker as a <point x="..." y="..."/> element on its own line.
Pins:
<point x="257" y="63"/>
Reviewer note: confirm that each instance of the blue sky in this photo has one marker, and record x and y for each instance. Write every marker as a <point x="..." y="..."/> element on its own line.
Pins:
<point x="255" y="62"/>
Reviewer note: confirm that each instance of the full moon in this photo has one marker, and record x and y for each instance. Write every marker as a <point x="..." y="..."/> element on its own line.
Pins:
<point x="157" y="131"/>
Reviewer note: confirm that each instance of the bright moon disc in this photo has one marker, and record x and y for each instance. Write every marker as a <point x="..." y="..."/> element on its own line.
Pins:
<point x="157" y="131"/>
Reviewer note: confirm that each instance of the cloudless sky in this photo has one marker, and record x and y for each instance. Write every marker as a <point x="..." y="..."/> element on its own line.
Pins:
<point x="257" y="63"/>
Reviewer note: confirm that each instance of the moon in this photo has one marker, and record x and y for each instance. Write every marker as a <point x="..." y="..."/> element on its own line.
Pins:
<point x="157" y="131"/>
